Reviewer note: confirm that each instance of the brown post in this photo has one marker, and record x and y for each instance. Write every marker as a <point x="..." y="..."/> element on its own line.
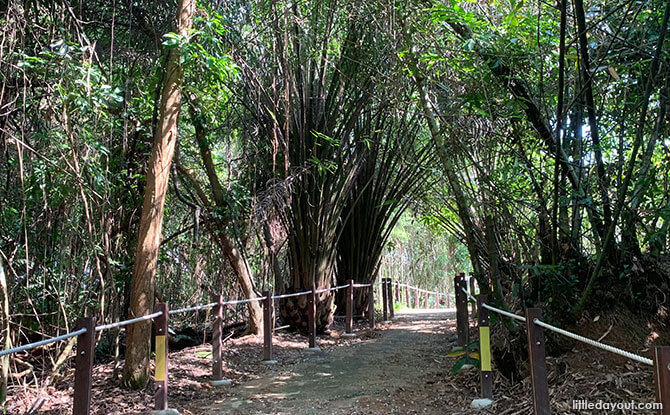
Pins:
<point x="425" y="300"/>
<point x="397" y="291"/>
<point x="662" y="378"/>
<point x="267" y="327"/>
<point x="483" y="323"/>
<point x="311" y="318"/>
<point x="538" y="365"/>
<point x="385" y="300"/>
<point x="437" y="299"/>
<point x="83" y="367"/>
<point x="371" y="308"/>
<point x="448" y="300"/>
<point x="389" y="287"/>
<point x="380" y="296"/>
<point x="416" y="298"/>
<point x="350" y="308"/>
<point x="161" y="369"/>
<point x="409" y="305"/>
<point x="461" y="310"/>
<point x="217" y="343"/>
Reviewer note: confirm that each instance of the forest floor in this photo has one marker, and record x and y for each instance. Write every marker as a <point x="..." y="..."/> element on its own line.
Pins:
<point x="401" y="368"/>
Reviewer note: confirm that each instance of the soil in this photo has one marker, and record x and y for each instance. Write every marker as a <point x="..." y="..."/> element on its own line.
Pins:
<point x="400" y="367"/>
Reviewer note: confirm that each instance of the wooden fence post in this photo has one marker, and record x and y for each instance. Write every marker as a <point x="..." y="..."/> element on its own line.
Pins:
<point x="371" y="308"/>
<point x="349" y="324"/>
<point x="83" y="367"/>
<point x="217" y="326"/>
<point x="662" y="378"/>
<point x="538" y="365"/>
<point x="416" y="298"/>
<point x="267" y="329"/>
<point x="217" y="343"/>
<point x="409" y="305"/>
<point x="161" y="369"/>
<point x="397" y="291"/>
<point x="311" y="319"/>
<point x="461" y="310"/>
<point x="484" y="348"/>
<point x="389" y="287"/>
<point x="380" y="296"/>
<point x="437" y="299"/>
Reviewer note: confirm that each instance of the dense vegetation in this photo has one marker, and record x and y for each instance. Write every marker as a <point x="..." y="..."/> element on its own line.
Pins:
<point x="155" y="150"/>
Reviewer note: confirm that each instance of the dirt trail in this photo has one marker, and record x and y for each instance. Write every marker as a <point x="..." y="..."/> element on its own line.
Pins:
<point x="339" y="380"/>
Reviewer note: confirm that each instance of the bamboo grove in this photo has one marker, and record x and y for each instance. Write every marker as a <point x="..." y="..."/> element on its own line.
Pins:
<point x="173" y="150"/>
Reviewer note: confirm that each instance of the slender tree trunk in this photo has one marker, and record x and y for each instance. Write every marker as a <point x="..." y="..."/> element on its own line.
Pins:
<point x="235" y="256"/>
<point x="136" y="369"/>
<point x="594" y="133"/>
<point x="629" y="241"/>
<point x="5" y="336"/>
<point x="469" y="228"/>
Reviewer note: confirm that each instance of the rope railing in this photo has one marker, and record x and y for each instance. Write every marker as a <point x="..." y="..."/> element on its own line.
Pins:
<point x="86" y="340"/>
<point x="128" y="322"/>
<point x="277" y="297"/>
<point x="87" y="329"/>
<point x="594" y="343"/>
<point x="246" y="300"/>
<point x="505" y="313"/>
<point x="421" y="290"/>
<point x="194" y="308"/>
<point x="42" y="342"/>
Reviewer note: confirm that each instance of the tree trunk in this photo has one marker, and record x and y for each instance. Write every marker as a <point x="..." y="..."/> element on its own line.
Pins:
<point x="136" y="369"/>
<point x="235" y="256"/>
<point x="462" y="203"/>
<point x="293" y="311"/>
<point x="4" y="329"/>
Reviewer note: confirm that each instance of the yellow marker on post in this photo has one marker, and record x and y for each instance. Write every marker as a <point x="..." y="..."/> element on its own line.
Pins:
<point x="160" y="359"/>
<point x="485" y="348"/>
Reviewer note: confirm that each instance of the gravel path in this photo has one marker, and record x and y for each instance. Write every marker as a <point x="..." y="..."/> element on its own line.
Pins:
<point x="336" y="382"/>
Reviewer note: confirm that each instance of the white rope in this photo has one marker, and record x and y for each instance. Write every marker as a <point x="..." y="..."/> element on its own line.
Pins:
<point x="323" y="290"/>
<point x="594" y="343"/>
<point x="275" y="297"/>
<point x="362" y="285"/>
<point x="421" y="290"/>
<point x="194" y="308"/>
<point x="248" y="300"/>
<point x="127" y="322"/>
<point x="468" y="294"/>
<point x="339" y="287"/>
<point x="42" y="342"/>
<point x="505" y="313"/>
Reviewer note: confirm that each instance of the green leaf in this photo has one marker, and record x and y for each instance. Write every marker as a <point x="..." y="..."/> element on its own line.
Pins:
<point x="205" y="354"/>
